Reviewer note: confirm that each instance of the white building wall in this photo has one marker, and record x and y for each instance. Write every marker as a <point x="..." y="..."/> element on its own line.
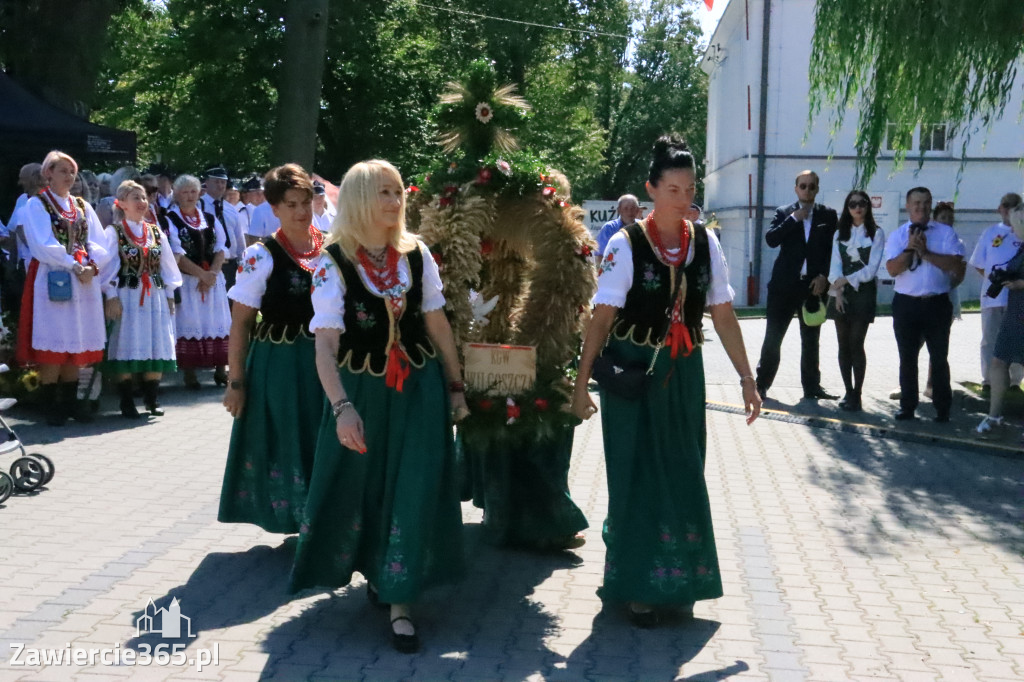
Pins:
<point x="733" y="63"/>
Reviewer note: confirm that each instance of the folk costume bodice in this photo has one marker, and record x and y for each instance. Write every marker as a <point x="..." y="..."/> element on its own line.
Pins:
<point x="644" y="319"/>
<point x="197" y="242"/>
<point x="140" y="260"/>
<point x="286" y="307"/>
<point x="70" y="231"/>
<point x="385" y="332"/>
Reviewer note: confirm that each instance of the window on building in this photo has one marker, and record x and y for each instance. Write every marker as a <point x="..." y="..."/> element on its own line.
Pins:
<point x="926" y="138"/>
<point x="933" y="138"/>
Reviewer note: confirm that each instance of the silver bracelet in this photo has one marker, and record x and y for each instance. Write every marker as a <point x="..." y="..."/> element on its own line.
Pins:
<point x="339" y="407"/>
<point x="744" y="378"/>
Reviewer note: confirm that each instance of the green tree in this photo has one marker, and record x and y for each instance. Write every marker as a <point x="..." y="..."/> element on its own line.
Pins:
<point x="664" y="91"/>
<point x="56" y="47"/>
<point x="913" y="62"/>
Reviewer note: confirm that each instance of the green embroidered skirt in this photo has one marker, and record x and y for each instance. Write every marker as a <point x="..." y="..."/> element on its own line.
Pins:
<point x="270" y="458"/>
<point x="393" y="513"/>
<point x="660" y="544"/>
<point x="523" y="488"/>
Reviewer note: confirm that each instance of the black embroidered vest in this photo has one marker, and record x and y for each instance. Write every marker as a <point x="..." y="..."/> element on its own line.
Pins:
<point x="198" y="244"/>
<point x="368" y="322"/>
<point x="644" y="318"/>
<point x="64" y="231"/>
<point x="287" y="307"/>
<point x="132" y="262"/>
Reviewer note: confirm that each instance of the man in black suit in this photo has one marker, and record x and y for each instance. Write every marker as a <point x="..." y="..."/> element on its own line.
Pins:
<point x="803" y="233"/>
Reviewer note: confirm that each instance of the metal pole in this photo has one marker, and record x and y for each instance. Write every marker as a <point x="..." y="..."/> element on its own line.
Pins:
<point x="762" y="134"/>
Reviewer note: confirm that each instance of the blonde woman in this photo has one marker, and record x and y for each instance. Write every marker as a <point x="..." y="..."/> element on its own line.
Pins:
<point x="382" y="499"/>
<point x="140" y="298"/>
<point x="61" y="327"/>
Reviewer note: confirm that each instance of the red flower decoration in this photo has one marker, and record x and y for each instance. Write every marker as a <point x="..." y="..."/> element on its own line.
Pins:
<point x="451" y="189"/>
<point x="609" y="258"/>
<point x="412" y="188"/>
<point x="584" y="250"/>
<point x="240" y="268"/>
<point x="444" y="201"/>
<point x="252" y="260"/>
<point x="486" y="404"/>
<point x="548" y="191"/>
<point x="511" y="410"/>
<point x="437" y="258"/>
<point x="541" y="404"/>
<point x="484" y="176"/>
<point x="486" y="246"/>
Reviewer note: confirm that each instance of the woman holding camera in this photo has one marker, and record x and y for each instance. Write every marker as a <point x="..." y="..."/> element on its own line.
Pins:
<point x="1009" y="346"/>
<point x="856" y="254"/>
<point x="656" y="279"/>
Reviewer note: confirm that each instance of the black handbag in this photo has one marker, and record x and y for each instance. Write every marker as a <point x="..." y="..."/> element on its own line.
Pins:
<point x="624" y="380"/>
<point x="629" y="380"/>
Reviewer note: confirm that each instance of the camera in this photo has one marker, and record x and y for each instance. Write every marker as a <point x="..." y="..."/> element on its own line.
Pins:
<point x="998" y="279"/>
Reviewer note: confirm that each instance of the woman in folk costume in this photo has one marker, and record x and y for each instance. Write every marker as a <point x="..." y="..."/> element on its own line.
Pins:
<point x="61" y="325"/>
<point x="273" y="390"/>
<point x="656" y="278"/>
<point x="202" y="320"/>
<point x="140" y="298"/>
<point x="383" y="499"/>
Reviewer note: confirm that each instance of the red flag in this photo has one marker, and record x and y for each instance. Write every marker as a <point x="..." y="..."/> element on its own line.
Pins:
<point x="709" y="3"/>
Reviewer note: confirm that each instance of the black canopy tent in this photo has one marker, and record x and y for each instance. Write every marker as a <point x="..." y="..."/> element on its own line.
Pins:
<point x="31" y="127"/>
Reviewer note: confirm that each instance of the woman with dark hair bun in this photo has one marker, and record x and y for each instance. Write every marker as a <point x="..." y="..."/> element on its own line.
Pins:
<point x="273" y="391"/>
<point x="656" y="279"/>
<point x="856" y="254"/>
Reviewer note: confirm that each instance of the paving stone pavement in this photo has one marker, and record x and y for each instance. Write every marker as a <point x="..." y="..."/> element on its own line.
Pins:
<point x="843" y="556"/>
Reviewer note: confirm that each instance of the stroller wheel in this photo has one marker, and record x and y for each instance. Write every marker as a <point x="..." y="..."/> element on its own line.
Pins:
<point x="48" y="467"/>
<point x="28" y="474"/>
<point x="6" y="486"/>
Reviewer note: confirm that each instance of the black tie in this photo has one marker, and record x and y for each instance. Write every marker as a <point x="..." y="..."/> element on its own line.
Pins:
<point x="218" y="208"/>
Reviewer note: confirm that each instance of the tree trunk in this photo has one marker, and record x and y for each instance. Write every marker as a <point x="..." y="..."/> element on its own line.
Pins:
<point x="298" y="104"/>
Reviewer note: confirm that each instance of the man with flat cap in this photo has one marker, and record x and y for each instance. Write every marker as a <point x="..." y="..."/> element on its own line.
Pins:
<point x="323" y="212"/>
<point x="212" y="201"/>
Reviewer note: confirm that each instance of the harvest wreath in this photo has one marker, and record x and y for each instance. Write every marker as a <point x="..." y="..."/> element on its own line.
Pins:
<point x="514" y="256"/>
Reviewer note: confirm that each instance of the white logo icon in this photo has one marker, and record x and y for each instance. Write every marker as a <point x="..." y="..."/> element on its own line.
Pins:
<point x="170" y="620"/>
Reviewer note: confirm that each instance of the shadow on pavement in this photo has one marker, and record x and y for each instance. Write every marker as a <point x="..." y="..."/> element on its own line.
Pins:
<point x="926" y="488"/>
<point x="225" y="590"/>
<point x="616" y="649"/>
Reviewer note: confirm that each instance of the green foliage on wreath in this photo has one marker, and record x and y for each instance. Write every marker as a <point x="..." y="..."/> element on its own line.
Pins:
<point x="502" y="175"/>
<point x="477" y="115"/>
<point x="541" y="414"/>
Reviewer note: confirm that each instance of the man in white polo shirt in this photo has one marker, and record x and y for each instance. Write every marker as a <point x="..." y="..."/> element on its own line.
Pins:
<point x="924" y="257"/>
<point x="996" y="247"/>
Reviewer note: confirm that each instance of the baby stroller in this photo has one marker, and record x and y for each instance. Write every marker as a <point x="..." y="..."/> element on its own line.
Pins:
<point x="28" y="471"/>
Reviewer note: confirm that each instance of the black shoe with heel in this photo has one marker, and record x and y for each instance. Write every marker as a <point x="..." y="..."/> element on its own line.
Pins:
<point x="405" y="644"/>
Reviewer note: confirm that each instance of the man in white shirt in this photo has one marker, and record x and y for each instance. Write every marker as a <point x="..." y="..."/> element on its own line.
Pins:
<point x="323" y="212"/>
<point x="263" y="224"/>
<point x="31" y="180"/>
<point x="924" y="258"/>
<point x="164" y="188"/>
<point x="212" y="201"/>
<point x="997" y="245"/>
